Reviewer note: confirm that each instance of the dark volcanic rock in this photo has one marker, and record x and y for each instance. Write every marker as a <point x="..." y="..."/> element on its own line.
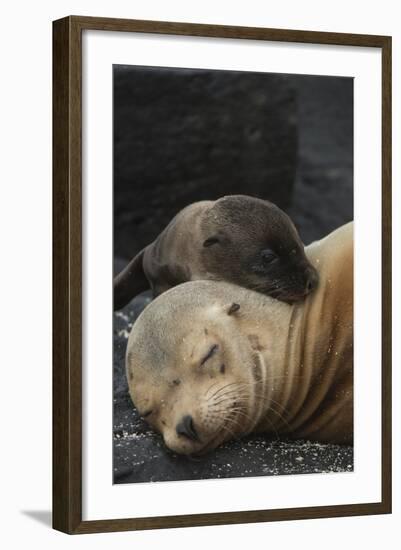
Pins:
<point x="183" y="135"/>
<point x="140" y="454"/>
<point x="323" y="193"/>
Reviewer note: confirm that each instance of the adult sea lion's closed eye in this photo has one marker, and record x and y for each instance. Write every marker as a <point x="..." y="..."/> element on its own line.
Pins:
<point x="210" y="353"/>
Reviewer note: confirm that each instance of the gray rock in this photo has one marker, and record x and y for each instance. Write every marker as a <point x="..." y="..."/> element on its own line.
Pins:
<point x="323" y="193"/>
<point x="183" y="135"/>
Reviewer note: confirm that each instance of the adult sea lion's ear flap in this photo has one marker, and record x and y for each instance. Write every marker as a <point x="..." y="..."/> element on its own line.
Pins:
<point x="130" y="281"/>
<point x="232" y="308"/>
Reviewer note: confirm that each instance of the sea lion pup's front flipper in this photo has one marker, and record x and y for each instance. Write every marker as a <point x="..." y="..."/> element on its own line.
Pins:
<point x="130" y="281"/>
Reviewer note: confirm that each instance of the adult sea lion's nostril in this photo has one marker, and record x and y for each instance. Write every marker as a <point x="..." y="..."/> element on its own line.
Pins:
<point x="187" y="429"/>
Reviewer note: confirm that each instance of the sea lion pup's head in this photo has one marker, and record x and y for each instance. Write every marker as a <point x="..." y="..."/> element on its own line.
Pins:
<point x="191" y="370"/>
<point x="253" y="243"/>
<point x="240" y="239"/>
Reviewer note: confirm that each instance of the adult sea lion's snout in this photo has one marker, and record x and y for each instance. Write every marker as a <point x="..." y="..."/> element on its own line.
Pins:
<point x="186" y="428"/>
<point x="214" y="413"/>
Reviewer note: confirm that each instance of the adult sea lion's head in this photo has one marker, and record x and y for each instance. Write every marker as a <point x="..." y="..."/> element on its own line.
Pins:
<point x="191" y="371"/>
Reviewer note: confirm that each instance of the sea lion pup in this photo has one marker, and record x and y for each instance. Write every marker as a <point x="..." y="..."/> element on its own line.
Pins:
<point x="208" y="361"/>
<point x="243" y="240"/>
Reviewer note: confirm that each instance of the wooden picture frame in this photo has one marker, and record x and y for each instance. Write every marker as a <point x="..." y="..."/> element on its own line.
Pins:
<point x="67" y="273"/>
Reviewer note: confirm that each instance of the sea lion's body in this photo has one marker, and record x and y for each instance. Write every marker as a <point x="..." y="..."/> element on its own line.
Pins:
<point x="318" y="349"/>
<point x="207" y="361"/>
<point x="239" y="239"/>
<point x="170" y="260"/>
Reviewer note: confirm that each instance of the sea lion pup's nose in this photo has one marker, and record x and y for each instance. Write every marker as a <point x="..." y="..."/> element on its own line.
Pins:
<point x="312" y="280"/>
<point x="186" y="428"/>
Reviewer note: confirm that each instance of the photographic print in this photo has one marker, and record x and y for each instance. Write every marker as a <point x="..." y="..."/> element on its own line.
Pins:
<point x="222" y="333"/>
<point x="233" y="274"/>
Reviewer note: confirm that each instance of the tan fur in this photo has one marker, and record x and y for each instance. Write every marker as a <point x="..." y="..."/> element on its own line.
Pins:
<point x="278" y="368"/>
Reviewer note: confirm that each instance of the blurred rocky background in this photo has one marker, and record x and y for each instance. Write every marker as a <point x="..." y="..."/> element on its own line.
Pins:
<point x="182" y="135"/>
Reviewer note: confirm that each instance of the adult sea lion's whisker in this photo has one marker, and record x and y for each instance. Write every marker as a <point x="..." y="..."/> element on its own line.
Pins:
<point x="280" y="415"/>
<point x="229" y="399"/>
<point x="276" y="403"/>
<point x="267" y="398"/>
<point x="223" y="388"/>
<point x="209" y="389"/>
<point x="227" y="392"/>
<point x="242" y="413"/>
<point x="232" y="394"/>
<point x="220" y="407"/>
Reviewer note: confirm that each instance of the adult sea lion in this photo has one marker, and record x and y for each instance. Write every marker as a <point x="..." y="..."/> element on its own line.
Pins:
<point x="208" y="361"/>
<point x="243" y="240"/>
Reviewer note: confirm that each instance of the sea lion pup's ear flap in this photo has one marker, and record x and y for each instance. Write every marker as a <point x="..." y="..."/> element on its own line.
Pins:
<point x="130" y="281"/>
<point x="232" y="309"/>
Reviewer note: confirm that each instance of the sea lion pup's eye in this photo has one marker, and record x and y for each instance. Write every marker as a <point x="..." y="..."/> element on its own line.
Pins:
<point x="268" y="256"/>
<point x="233" y="308"/>
<point x="147" y="413"/>
<point x="209" y="354"/>
<point x="210" y="241"/>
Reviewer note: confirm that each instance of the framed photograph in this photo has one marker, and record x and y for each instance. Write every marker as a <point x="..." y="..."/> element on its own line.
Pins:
<point x="222" y="274"/>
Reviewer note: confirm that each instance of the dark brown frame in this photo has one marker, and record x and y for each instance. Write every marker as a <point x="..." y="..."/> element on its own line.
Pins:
<point x="67" y="279"/>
